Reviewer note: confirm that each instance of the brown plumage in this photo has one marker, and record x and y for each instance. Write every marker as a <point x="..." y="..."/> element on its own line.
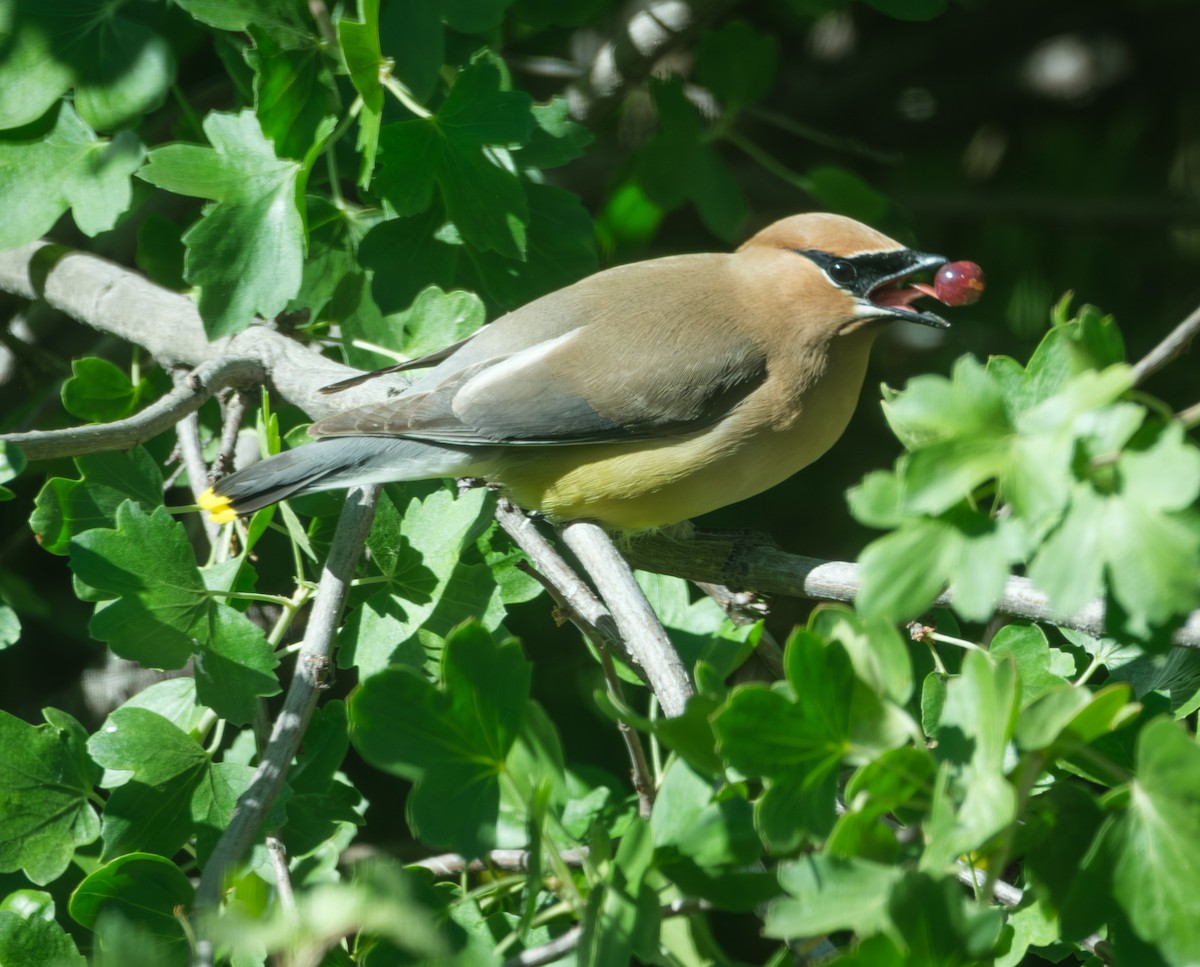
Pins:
<point x="640" y="396"/>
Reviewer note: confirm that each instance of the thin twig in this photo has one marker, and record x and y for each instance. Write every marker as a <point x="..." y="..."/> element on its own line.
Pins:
<point x="573" y="597"/>
<point x="643" y="783"/>
<point x="283" y="877"/>
<point x="639" y="626"/>
<point x="740" y="561"/>
<point x="313" y="667"/>
<point x="508" y="860"/>
<point x="1176" y="342"/>
<point x="579" y="600"/>
<point x="191" y="456"/>
<point x="747" y="608"/>
<point x="233" y="412"/>
<point x="188" y="396"/>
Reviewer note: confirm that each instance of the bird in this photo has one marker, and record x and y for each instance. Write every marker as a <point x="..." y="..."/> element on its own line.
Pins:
<point x="639" y="397"/>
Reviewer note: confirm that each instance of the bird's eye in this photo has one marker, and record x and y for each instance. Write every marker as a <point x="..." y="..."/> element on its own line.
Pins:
<point x="842" y="272"/>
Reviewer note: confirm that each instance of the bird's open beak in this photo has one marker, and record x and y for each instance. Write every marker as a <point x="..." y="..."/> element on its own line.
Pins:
<point x="895" y="294"/>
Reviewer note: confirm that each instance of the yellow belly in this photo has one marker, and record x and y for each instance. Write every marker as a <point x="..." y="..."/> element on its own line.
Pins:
<point x="783" y="426"/>
<point x="643" y="486"/>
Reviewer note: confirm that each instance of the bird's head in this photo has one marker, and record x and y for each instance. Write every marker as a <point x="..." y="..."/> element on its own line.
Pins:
<point x="850" y="274"/>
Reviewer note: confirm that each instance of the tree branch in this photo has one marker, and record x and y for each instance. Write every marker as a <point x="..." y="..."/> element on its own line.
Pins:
<point x="311" y="677"/>
<point x="639" y="625"/>
<point x="118" y="301"/>
<point x="1175" y="343"/>
<point x="189" y="394"/>
<point x="743" y="561"/>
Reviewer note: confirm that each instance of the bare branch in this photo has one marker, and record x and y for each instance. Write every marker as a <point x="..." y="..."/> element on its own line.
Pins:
<point x="188" y="396"/>
<point x="191" y="455"/>
<point x="116" y="300"/>
<point x="1175" y="343"/>
<point x="639" y="625"/>
<point x="311" y="677"/>
<point x="283" y="877"/>
<point x="741" y="561"/>
<point x="570" y="594"/>
<point x="233" y="412"/>
<point x="578" y="600"/>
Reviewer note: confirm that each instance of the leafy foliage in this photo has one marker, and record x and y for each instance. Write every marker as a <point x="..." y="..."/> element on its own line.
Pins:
<point x="379" y="178"/>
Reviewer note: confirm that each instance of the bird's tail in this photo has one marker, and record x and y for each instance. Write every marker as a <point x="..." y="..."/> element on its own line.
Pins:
<point x="331" y="463"/>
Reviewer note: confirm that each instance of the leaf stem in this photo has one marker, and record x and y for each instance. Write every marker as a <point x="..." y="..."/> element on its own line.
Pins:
<point x="403" y="95"/>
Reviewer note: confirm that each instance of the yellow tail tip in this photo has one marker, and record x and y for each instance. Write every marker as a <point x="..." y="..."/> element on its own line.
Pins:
<point x="220" y="510"/>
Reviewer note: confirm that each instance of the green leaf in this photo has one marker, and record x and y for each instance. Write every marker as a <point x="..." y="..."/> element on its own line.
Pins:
<point x="386" y="908"/>
<point x="120" y="68"/>
<point x="561" y="249"/>
<point x="98" y="391"/>
<point x="434" y="580"/>
<point x="829" y="893"/>
<point x="904" y="572"/>
<point x="798" y="741"/>
<point x="67" y="168"/>
<point x="898" y="783"/>
<point x="461" y="148"/>
<point x="34" y="939"/>
<point x="435" y="320"/>
<point x="556" y="140"/>
<point x="294" y="93"/>
<point x="359" y="41"/>
<point x="689" y="820"/>
<point x="12" y="464"/>
<point x="681" y="165"/>
<point x="1072" y="716"/>
<point x="737" y="63"/>
<point x="451" y="742"/>
<point x="1147" y="554"/>
<point x="215" y="794"/>
<point x="173" y="699"/>
<point x="145" y="890"/>
<point x="45" y="780"/>
<point x="939" y="926"/>
<point x="65" y="508"/>
<point x="247" y="250"/>
<point x="10" y="626"/>
<point x="622" y="915"/>
<point x="1157" y="853"/>
<point x="32" y="78"/>
<point x="160" y="768"/>
<point x="156" y="610"/>
<point x="408" y="256"/>
<point x="1039" y="667"/>
<point x="879" y="654"/>
<point x="286" y="22"/>
<point x="972" y="801"/>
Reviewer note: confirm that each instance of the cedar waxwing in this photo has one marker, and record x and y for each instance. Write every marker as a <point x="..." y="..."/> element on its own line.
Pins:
<point x="640" y="396"/>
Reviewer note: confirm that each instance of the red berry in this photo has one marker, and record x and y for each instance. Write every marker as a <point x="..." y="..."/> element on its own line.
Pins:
<point x="959" y="283"/>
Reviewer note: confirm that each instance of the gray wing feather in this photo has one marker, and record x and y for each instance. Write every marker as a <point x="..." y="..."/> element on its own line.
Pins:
<point x="573" y="367"/>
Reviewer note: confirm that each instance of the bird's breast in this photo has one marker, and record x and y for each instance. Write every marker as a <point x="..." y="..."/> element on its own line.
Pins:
<point x="786" y="424"/>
